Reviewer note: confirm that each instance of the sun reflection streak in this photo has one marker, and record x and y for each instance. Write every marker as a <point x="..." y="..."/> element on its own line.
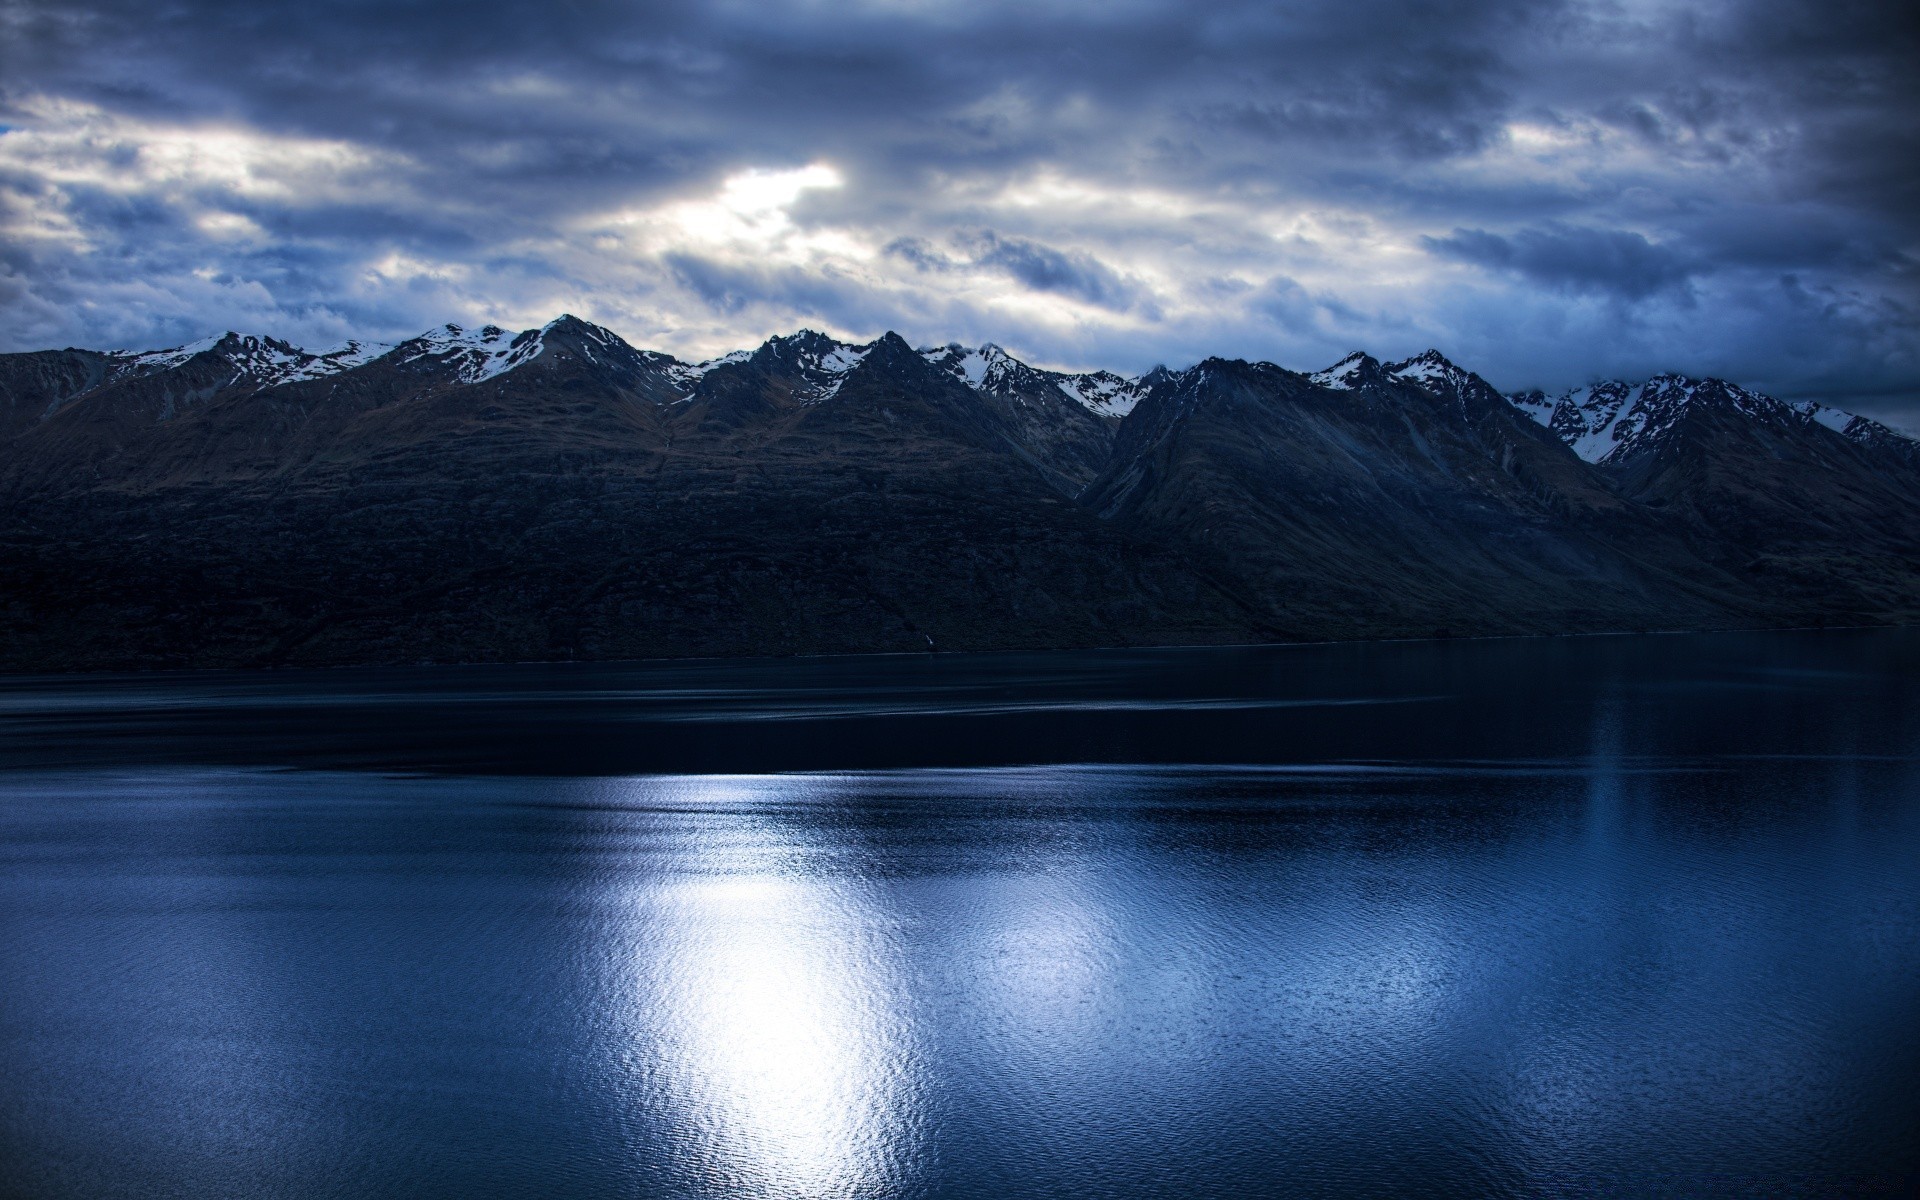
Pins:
<point x="779" y="1035"/>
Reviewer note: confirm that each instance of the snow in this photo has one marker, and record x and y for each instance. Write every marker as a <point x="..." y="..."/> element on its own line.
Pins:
<point x="687" y="376"/>
<point x="835" y="365"/>
<point x="1535" y="405"/>
<point x="979" y="369"/>
<point x="842" y="360"/>
<point x="1615" y="419"/>
<point x="973" y="368"/>
<point x="822" y="371"/>
<point x="991" y="369"/>
<point x="1103" y="392"/>
<point x="1340" y="375"/>
<point x="1622" y="417"/>
<point x="476" y="355"/>
<point x="1599" y="440"/>
<point x="1422" y="372"/>
<point x="1832" y="418"/>
<point x="261" y="361"/>
<point x="333" y="360"/>
<point x="162" y="360"/>
<point x="1427" y="367"/>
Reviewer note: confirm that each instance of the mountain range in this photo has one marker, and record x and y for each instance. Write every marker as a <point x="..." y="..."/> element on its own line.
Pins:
<point x="556" y="493"/>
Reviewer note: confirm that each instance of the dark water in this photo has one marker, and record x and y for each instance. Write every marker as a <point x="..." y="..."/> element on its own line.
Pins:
<point x="1602" y="916"/>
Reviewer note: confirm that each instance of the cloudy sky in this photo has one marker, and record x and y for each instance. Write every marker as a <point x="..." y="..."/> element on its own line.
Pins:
<point x="1548" y="192"/>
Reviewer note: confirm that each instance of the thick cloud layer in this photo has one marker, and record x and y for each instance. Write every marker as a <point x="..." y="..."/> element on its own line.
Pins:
<point x="1549" y="192"/>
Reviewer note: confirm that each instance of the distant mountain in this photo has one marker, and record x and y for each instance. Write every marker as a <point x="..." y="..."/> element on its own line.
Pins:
<point x="1615" y="422"/>
<point x="485" y="494"/>
<point x="1814" y="505"/>
<point x="1405" y="497"/>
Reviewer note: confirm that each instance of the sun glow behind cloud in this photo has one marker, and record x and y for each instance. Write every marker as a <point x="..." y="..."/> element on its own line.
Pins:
<point x="750" y="210"/>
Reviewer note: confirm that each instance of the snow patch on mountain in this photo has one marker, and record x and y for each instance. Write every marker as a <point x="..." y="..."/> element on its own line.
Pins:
<point x="1344" y="375"/>
<point x="1428" y="368"/>
<point x="261" y="362"/>
<point x="163" y="360"/>
<point x="335" y="359"/>
<point x="1832" y="418"/>
<point x="971" y="366"/>
<point x="687" y="376"/>
<point x="991" y="369"/>
<point x="836" y="365"/>
<point x="475" y="355"/>
<point x="822" y="363"/>
<point x="1616" y="420"/>
<point x="1864" y="431"/>
<point x="1104" y="392"/>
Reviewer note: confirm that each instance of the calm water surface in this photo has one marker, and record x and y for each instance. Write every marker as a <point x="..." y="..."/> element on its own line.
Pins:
<point x="1604" y="916"/>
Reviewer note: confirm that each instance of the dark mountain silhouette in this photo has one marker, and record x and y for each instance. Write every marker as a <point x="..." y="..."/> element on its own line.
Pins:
<point x="479" y="495"/>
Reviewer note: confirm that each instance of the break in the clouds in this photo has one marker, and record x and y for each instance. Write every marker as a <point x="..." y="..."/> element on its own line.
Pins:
<point x="1549" y="192"/>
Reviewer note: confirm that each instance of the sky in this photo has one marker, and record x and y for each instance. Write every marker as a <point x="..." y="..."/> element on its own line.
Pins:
<point x="1549" y="193"/>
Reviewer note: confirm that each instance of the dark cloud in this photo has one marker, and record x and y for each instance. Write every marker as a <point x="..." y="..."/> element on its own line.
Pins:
<point x="1598" y="260"/>
<point x="1045" y="269"/>
<point x="1557" y="189"/>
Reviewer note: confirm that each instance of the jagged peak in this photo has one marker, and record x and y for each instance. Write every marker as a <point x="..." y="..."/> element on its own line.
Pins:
<point x="1614" y="419"/>
<point x="1355" y="369"/>
<point x="476" y="355"/>
<point x="568" y="323"/>
<point x="256" y="360"/>
<point x="989" y="367"/>
<point x="802" y="340"/>
<point x="453" y="336"/>
<point x="1428" y="365"/>
<point x="1596" y="418"/>
<point x="821" y="361"/>
<point x="173" y="356"/>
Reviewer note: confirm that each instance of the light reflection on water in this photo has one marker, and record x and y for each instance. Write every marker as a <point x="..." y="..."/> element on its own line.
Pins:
<point x="1658" y="952"/>
<point x="773" y="1015"/>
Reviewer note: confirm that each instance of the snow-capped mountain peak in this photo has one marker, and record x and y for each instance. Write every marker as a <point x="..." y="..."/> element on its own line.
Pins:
<point x="988" y="368"/>
<point x="687" y="376"/>
<point x="1608" y="421"/>
<point x="1616" y="420"/>
<point x="991" y="369"/>
<point x="822" y="362"/>
<point x="163" y="360"/>
<point x="972" y="367"/>
<point x="476" y="355"/>
<point x="1427" y="368"/>
<point x="1853" y="427"/>
<point x="254" y="359"/>
<point x="1347" y="374"/>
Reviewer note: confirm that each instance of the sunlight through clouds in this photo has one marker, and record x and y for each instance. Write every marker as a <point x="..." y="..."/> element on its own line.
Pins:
<point x="71" y="145"/>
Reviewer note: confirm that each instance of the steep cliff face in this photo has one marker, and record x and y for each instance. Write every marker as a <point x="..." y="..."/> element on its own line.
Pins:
<point x="556" y="493"/>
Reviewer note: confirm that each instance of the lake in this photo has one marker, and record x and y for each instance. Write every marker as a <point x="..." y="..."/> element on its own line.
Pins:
<point x="1632" y="915"/>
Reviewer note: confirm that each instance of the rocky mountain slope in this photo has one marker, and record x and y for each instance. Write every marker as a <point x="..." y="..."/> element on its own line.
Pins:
<point x="475" y="495"/>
